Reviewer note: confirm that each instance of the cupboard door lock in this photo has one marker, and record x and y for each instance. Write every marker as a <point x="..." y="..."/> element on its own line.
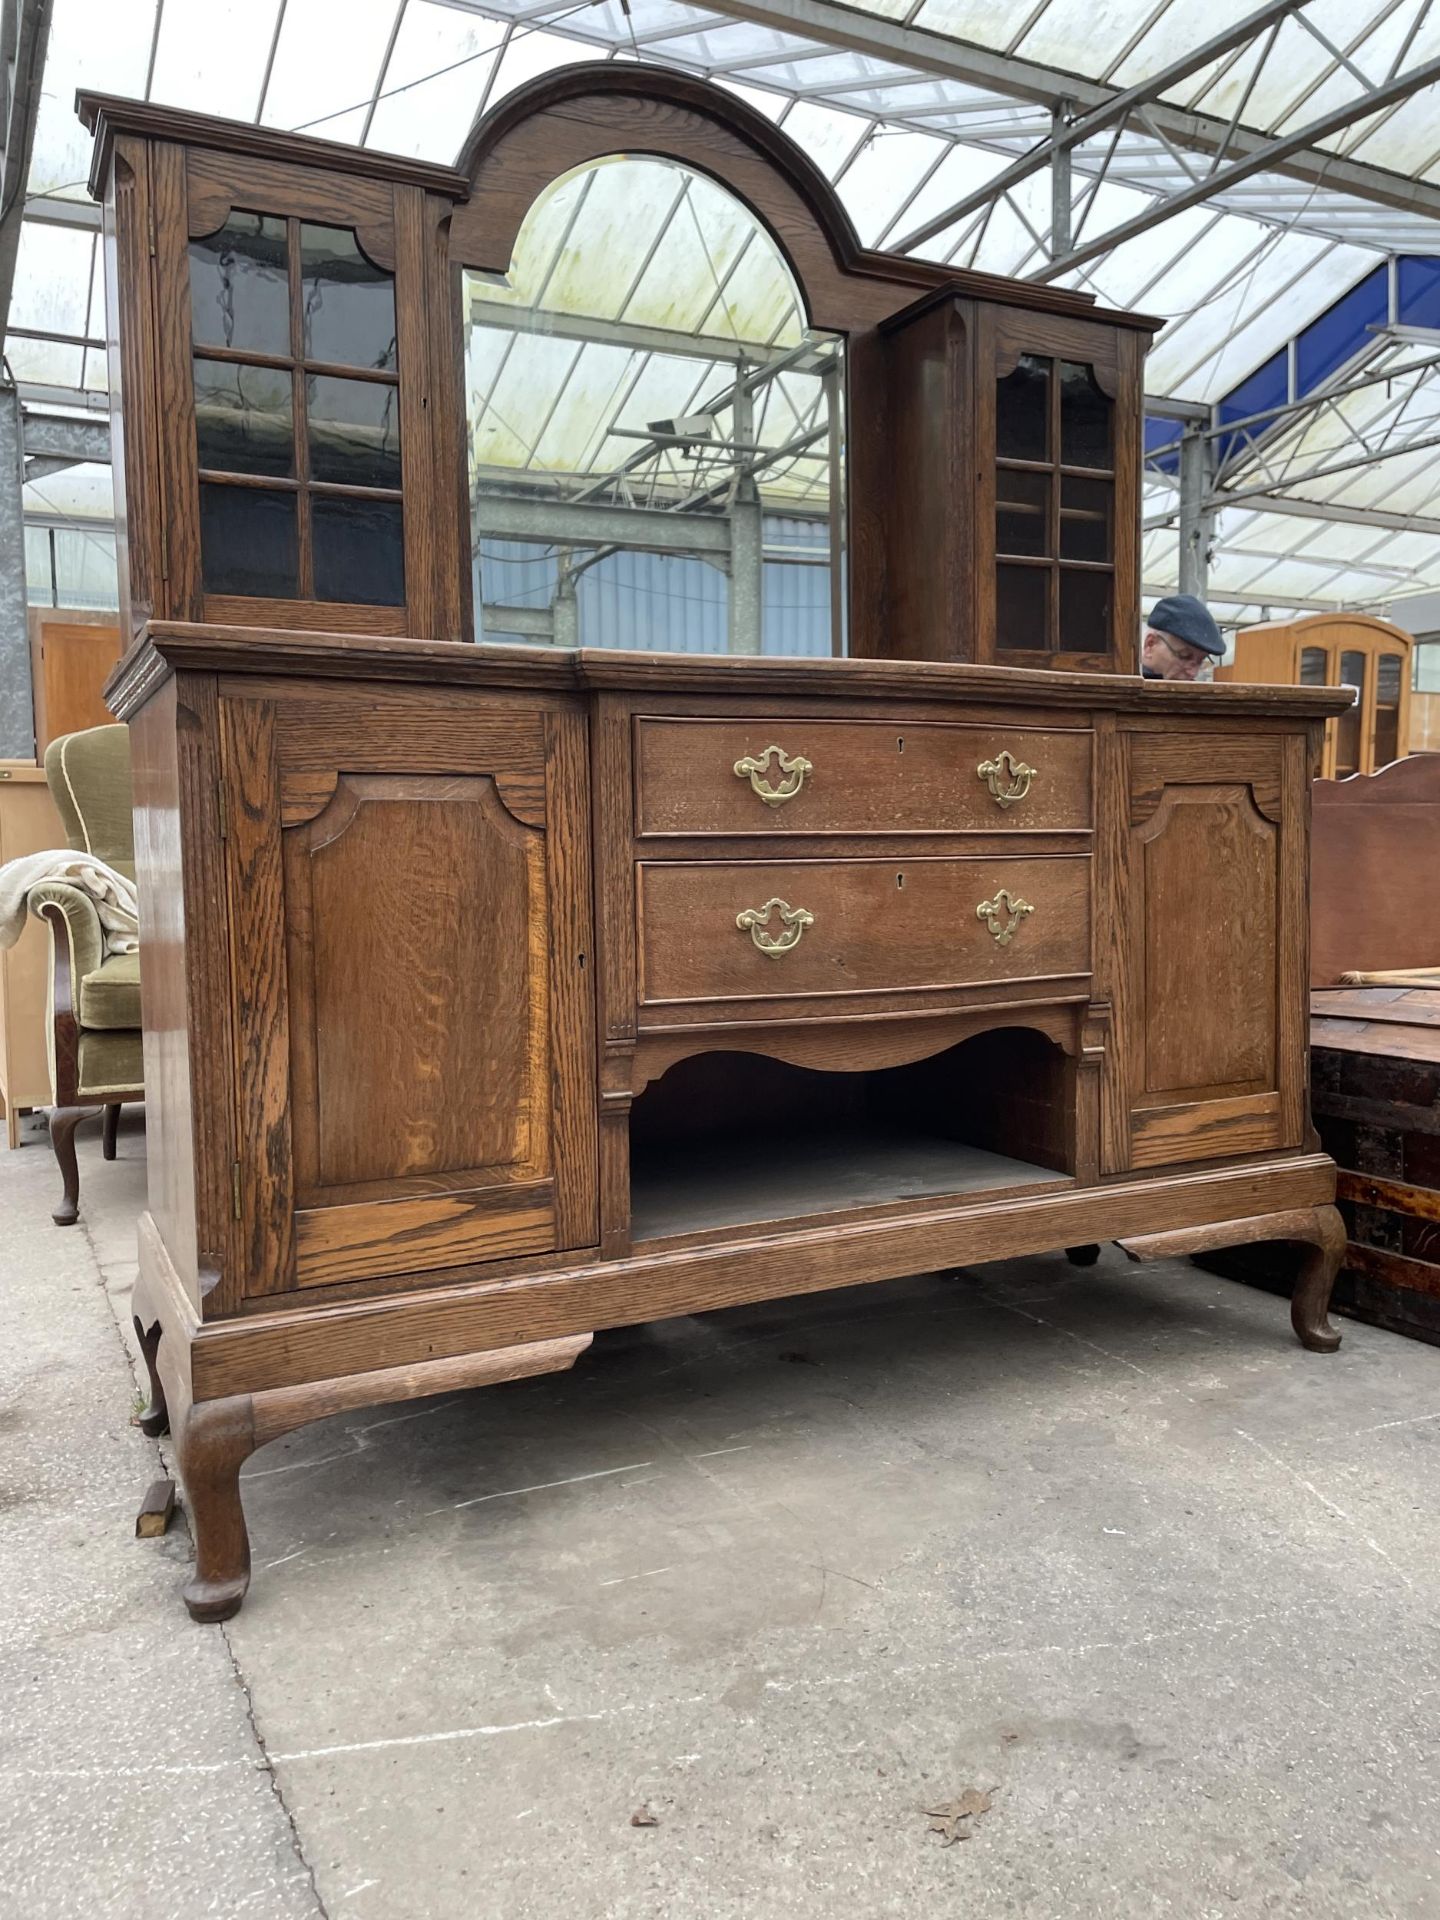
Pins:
<point x="1003" y="915"/>
<point x="794" y="921"/>
<point x="792" y="774"/>
<point x="1007" y="778"/>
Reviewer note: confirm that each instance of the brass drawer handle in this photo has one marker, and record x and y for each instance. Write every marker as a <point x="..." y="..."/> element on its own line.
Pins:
<point x="1003" y="914"/>
<point x="757" y="768"/>
<point x="795" y="919"/>
<point x="1007" y="778"/>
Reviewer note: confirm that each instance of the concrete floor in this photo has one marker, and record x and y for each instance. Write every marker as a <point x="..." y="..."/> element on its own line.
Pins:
<point x="1108" y="1543"/>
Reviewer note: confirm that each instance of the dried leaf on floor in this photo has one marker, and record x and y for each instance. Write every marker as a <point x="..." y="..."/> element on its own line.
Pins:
<point x="955" y="1819"/>
<point x="642" y="1817"/>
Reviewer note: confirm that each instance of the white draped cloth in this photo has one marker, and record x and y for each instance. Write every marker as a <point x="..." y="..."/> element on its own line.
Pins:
<point x="114" y="896"/>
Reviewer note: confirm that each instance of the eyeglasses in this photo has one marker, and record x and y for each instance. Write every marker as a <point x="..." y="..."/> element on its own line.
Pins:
<point x="1191" y="657"/>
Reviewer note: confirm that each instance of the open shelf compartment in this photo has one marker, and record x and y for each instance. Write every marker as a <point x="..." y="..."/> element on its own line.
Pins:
<point x="731" y="1139"/>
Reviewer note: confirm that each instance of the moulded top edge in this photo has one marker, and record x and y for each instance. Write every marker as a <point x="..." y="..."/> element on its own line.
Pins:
<point x="169" y="645"/>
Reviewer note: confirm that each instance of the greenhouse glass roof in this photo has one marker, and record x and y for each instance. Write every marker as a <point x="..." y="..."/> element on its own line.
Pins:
<point x="1266" y="178"/>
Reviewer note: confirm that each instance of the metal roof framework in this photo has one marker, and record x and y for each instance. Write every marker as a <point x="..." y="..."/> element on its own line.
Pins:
<point x="1238" y="174"/>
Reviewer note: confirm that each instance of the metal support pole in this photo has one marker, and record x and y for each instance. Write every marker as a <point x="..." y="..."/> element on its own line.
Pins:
<point x="835" y="421"/>
<point x="747" y="555"/>
<point x="1062" y="115"/>
<point x="17" y="714"/>
<point x="565" y="607"/>
<point x="1197" y="518"/>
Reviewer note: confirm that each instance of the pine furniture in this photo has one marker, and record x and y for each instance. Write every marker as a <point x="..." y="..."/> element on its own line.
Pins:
<point x="72" y="653"/>
<point x="1338" y="650"/>
<point x="28" y="824"/>
<point x="493" y="995"/>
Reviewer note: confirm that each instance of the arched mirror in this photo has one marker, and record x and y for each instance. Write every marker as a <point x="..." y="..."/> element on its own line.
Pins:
<point x="656" y="435"/>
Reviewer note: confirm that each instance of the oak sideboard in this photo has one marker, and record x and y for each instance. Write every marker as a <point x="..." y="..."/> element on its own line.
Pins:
<point x="494" y="994"/>
<point x="495" y="997"/>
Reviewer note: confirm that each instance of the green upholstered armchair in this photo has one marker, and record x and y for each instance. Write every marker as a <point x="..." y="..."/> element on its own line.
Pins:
<point x="94" y="998"/>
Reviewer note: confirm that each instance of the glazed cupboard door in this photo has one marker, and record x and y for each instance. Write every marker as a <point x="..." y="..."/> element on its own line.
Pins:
<point x="409" y="912"/>
<point x="1211" y="927"/>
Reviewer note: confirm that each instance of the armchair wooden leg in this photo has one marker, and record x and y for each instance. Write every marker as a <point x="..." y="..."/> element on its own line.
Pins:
<point x="63" y="1122"/>
<point x="109" y="1124"/>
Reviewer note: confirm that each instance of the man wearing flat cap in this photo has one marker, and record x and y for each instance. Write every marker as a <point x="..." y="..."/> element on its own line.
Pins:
<point x="1180" y="639"/>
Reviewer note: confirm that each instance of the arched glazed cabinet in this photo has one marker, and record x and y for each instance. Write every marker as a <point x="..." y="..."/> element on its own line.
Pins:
<point x="495" y="993"/>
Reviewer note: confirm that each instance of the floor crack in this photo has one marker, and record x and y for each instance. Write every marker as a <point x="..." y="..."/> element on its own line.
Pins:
<point x="268" y="1767"/>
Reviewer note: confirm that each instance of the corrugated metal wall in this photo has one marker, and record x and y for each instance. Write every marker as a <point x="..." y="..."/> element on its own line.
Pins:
<point x="665" y="602"/>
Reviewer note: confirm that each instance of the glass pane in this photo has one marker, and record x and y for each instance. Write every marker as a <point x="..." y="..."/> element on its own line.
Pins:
<point x="1085" y="621"/>
<point x="1352" y="671"/>
<point x="248" y="541"/>
<point x="354" y="428"/>
<point x="1387" y="679"/>
<point x="244" y="420"/>
<point x="1312" y="666"/>
<point x="1085" y="507"/>
<point x="1022" y="411"/>
<point x="359" y="550"/>
<point x="1387" y="736"/>
<point x="349" y="301"/>
<point x="1022" y="597"/>
<point x="240" y="286"/>
<point x="1085" y="419"/>
<point x="1022" y="512"/>
<point x="1347" y="743"/>
<point x="657" y="365"/>
<point x="39" y="568"/>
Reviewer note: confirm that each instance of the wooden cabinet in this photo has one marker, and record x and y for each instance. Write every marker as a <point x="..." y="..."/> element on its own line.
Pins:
<point x="1369" y="656"/>
<point x="71" y="657"/>
<point x="410" y="924"/>
<point x="1011" y="521"/>
<point x="496" y="995"/>
<point x="29" y="823"/>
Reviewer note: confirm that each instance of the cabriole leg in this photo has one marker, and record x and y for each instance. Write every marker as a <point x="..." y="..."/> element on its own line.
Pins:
<point x="1321" y="1229"/>
<point x="63" y="1122"/>
<point x="1311" y="1299"/>
<point x="217" y="1438"/>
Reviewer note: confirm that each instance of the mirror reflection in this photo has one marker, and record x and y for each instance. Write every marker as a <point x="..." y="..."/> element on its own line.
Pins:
<point x="656" y="437"/>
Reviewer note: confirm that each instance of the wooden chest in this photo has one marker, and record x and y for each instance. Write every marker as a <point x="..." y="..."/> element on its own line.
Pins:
<point x="1375" y="1068"/>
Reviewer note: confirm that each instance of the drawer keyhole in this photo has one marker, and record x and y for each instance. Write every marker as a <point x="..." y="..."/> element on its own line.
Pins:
<point x="899" y="879"/>
<point x="900" y="744"/>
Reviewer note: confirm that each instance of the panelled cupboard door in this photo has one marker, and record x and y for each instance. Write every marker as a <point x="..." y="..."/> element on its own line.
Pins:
<point x="409" y="911"/>
<point x="1213" y="918"/>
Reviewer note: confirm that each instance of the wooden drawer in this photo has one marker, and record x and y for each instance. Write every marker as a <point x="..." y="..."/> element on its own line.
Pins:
<point x="857" y="926"/>
<point x="857" y="776"/>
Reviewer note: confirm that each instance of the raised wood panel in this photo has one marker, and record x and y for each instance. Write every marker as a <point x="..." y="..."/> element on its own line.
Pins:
<point x="865" y="777"/>
<point x="879" y="925"/>
<point x="1210" y="940"/>
<point x="419" y="985"/>
<point x="419" y="1027"/>
<point x="1210" y="893"/>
